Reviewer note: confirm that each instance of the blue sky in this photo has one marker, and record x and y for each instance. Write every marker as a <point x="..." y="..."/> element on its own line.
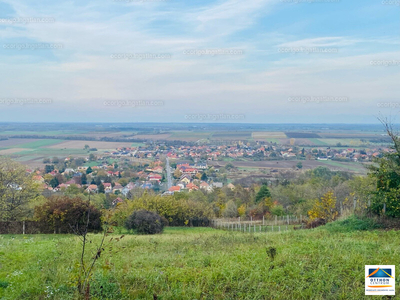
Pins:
<point x="259" y="84"/>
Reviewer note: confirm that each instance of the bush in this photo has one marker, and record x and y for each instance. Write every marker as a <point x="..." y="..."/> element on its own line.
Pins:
<point x="68" y="215"/>
<point x="145" y="222"/>
<point x="315" y="223"/>
<point x="178" y="210"/>
<point x="353" y="223"/>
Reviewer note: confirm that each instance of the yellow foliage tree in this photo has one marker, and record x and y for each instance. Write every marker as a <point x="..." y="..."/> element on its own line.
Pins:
<point x="242" y="210"/>
<point x="325" y="208"/>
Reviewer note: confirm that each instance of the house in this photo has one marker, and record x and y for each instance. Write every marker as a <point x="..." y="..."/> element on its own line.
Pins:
<point x="68" y="171"/>
<point x="117" y="187"/>
<point x="217" y="184"/>
<point x="38" y="178"/>
<point x="92" y="188"/>
<point x="154" y="177"/>
<point x="205" y="186"/>
<point x="185" y="179"/>
<point x="116" y="201"/>
<point x="158" y="169"/>
<point x="231" y="186"/>
<point x="192" y="187"/>
<point x="146" y="185"/>
<point x="107" y="186"/>
<point x="174" y="189"/>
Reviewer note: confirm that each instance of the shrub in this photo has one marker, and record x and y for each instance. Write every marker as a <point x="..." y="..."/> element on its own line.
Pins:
<point x="315" y="223"/>
<point x="178" y="211"/>
<point x="145" y="222"/>
<point x="68" y="215"/>
<point x="354" y="223"/>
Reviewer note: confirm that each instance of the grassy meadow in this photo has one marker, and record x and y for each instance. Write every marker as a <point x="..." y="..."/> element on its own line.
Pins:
<point x="202" y="263"/>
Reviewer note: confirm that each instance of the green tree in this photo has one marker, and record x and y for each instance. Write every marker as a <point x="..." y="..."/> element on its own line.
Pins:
<point x="386" y="172"/>
<point x="54" y="182"/>
<point x="83" y="179"/>
<point x="89" y="170"/>
<point x="101" y="188"/>
<point x="299" y="165"/>
<point x="262" y="194"/>
<point x="48" y="168"/>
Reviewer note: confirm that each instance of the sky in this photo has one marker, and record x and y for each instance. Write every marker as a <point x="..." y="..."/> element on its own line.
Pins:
<point x="251" y="61"/>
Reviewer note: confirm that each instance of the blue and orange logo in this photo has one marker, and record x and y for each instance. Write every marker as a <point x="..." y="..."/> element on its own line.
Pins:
<point x="382" y="274"/>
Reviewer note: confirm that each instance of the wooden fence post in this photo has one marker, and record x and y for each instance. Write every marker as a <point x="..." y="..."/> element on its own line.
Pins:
<point x="23" y="227"/>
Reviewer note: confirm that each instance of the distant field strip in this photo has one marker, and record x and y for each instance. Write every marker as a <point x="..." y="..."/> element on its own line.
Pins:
<point x="268" y="135"/>
<point x="40" y="143"/>
<point x="91" y="144"/>
<point x="14" y="151"/>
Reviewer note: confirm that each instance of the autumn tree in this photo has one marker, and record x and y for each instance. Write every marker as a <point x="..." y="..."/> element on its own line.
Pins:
<point x="325" y="208"/>
<point x="17" y="191"/>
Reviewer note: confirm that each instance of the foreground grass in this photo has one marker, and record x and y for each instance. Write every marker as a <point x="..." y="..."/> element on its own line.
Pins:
<point x="201" y="263"/>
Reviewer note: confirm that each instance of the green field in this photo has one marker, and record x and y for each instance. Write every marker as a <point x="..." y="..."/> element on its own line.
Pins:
<point x="52" y="152"/>
<point x="40" y="143"/>
<point x="351" y="166"/>
<point x="201" y="263"/>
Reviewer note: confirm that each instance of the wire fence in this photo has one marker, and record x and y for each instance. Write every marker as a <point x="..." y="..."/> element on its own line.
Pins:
<point x="276" y="224"/>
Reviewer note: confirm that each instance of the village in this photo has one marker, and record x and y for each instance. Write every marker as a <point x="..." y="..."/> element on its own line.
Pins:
<point x="126" y="169"/>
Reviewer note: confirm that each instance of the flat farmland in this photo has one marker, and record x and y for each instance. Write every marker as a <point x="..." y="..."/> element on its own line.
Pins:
<point x="40" y="143"/>
<point x="162" y="136"/>
<point x="49" y="133"/>
<point x="189" y="135"/>
<point x="231" y="135"/>
<point x="291" y="164"/>
<point x="92" y="144"/>
<point x="15" y="142"/>
<point x="11" y="151"/>
<point x="266" y="135"/>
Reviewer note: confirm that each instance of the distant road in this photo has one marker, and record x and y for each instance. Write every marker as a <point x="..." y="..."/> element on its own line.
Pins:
<point x="169" y="176"/>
